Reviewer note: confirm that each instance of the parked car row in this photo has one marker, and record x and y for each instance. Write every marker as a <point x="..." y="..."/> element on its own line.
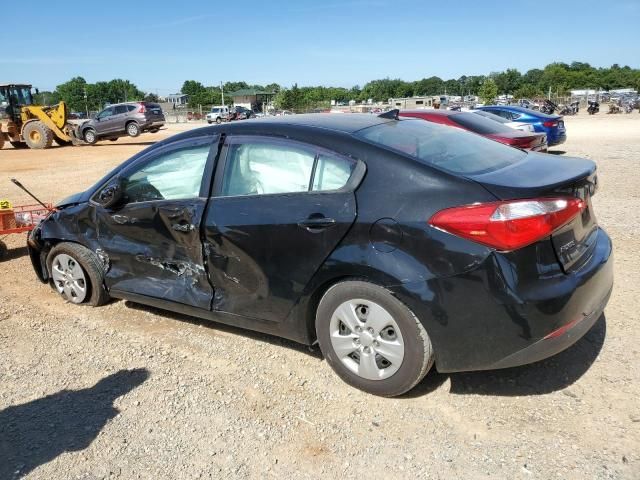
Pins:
<point x="483" y="126"/>
<point x="219" y="114"/>
<point x="394" y="243"/>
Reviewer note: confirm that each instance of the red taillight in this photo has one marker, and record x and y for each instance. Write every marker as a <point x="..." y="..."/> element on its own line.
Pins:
<point x="511" y="224"/>
<point x="142" y="108"/>
<point x="550" y="123"/>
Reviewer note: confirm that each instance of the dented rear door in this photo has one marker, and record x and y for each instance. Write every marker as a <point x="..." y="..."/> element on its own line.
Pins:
<point x="153" y="240"/>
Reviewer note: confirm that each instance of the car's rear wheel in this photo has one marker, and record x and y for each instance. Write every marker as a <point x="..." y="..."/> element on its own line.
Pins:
<point x="371" y="339"/>
<point x="77" y="274"/>
<point x="133" y="130"/>
<point x="218" y="120"/>
<point x="90" y="136"/>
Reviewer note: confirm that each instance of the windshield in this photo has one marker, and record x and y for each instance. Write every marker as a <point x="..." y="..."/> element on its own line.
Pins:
<point x="21" y="95"/>
<point x="478" y="124"/>
<point x="447" y="148"/>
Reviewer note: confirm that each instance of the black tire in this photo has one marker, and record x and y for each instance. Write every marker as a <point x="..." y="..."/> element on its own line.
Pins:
<point x="37" y="135"/>
<point x="218" y="120"/>
<point x="90" y="136"/>
<point x="19" y="145"/>
<point x="132" y="129"/>
<point x="209" y="122"/>
<point x="3" y="250"/>
<point x="418" y="351"/>
<point x="62" y="143"/>
<point x="92" y="267"/>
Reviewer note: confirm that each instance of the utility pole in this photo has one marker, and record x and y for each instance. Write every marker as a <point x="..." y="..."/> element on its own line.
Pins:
<point x="86" y="105"/>
<point x="222" y="91"/>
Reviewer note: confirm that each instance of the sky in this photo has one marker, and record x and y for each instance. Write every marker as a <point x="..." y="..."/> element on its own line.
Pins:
<point x="157" y="45"/>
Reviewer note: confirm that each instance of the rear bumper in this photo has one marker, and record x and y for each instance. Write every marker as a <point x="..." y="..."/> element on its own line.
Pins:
<point x="557" y="139"/>
<point x="507" y="311"/>
<point x="553" y="344"/>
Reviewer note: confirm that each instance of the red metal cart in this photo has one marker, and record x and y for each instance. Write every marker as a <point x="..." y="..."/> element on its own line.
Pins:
<point x="19" y="219"/>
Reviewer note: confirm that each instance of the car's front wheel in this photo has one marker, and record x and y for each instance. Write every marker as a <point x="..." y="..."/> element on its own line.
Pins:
<point x="218" y="120"/>
<point x="77" y="274"/>
<point x="371" y="339"/>
<point x="90" y="136"/>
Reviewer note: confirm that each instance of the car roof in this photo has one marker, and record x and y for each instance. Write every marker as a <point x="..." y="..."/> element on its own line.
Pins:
<point x="348" y="123"/>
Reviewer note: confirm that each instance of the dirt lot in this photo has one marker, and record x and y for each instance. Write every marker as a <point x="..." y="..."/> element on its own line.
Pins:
<point x="126" y="391"/>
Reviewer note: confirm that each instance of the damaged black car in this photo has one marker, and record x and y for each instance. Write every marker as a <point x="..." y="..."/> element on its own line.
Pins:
<point x="392" y="243"/>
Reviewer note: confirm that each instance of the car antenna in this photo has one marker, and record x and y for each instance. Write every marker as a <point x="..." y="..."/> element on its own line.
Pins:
<point x="19" y="185"/>
<point x="391" y="114"/>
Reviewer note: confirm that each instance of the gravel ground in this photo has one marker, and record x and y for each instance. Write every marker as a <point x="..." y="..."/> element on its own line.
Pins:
<point x="126" y="391"/>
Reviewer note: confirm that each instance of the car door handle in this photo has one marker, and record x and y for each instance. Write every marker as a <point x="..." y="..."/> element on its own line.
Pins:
<point x="183" y="227"/>
<point x="320" y="223"/>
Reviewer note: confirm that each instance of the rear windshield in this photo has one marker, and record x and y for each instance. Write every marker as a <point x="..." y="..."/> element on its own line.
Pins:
<point x="478" y="124"/>
<point x="490" y="115"/>
<point x="447" y="148"/>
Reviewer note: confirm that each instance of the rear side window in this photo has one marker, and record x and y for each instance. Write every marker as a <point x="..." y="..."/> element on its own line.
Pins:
<point x="332" y="172"/>
<point x="266" y="168"/>
<point x="131" y="108"/>
<point x="478" y="124"/>
<point x="450" y="149"/>
<point x="275" y="167"/>
<point x="120" y="109"/>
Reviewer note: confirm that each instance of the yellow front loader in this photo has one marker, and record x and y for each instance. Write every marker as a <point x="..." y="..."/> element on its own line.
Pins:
<point x="24" y="124"/>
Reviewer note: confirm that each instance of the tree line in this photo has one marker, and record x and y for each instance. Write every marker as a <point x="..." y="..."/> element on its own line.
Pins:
<point x="558" y="78"/>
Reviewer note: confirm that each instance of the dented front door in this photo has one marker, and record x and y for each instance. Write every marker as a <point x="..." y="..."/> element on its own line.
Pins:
<point x="153" y="240"/>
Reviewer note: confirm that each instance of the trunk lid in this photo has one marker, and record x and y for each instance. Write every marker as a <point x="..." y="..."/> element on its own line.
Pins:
<point x="542" y="175"/>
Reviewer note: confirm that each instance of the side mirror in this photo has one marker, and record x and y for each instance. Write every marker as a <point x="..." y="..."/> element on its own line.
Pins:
<point x="112" y="194"/>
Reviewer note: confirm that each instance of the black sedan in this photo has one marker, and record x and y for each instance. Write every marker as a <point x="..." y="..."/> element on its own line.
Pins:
<point x="392" y="243"/>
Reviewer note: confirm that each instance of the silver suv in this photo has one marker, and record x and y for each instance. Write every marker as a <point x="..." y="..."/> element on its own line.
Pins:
<point x="122" y="119"/>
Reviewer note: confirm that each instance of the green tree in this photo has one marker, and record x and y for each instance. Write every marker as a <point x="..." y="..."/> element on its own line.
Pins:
<point x="488" y="91"/>
<point x="72" y="93"/>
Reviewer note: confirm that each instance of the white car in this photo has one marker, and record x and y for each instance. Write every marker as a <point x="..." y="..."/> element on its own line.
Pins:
<point x="517" y="125"/>
<point x="218" y="114"/>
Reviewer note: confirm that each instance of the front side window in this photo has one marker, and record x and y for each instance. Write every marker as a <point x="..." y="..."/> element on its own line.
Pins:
<point x="105" y="113"/>
<point x="276" y="167"/>
<point x="172" y="175"/>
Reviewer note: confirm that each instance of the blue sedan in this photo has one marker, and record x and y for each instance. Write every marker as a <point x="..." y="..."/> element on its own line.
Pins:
<point x="552" y="125"/>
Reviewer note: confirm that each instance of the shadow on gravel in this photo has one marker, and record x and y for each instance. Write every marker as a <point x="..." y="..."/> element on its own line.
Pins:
<point x="223" y="327"/>
<point x="549" y="375"/>
<point x="36" y="432"/>
<point x="13" y="253"/>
